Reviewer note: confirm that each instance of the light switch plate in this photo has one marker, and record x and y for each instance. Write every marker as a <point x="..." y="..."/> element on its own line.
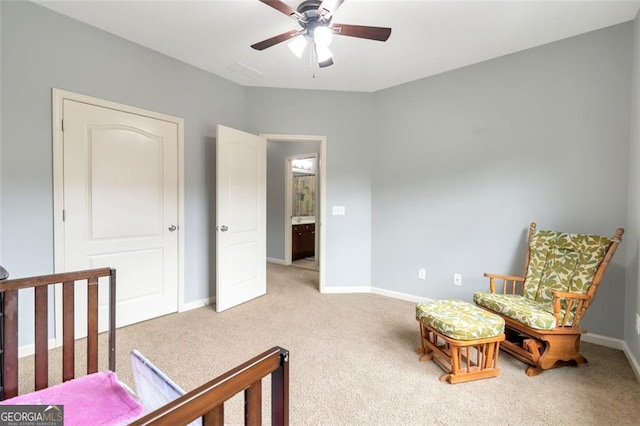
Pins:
<point x="339" y="211"/>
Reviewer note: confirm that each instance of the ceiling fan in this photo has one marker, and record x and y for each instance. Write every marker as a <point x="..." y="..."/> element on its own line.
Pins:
<point x="314" y="16"/>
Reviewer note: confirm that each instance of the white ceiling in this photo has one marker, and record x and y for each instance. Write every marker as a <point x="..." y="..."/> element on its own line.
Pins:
<point x="428" y="37"/>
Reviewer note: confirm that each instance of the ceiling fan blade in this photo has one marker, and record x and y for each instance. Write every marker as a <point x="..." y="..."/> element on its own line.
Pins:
<point x="284" y="8"/>
<point x="360" y="31"/>
<point x="276" y="39"/>
<point x="328" y="7"/>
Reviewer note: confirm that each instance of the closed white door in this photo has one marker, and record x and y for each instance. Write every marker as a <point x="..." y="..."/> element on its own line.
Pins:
<point x="241" y="217"/>
<point x="121" y="207"/>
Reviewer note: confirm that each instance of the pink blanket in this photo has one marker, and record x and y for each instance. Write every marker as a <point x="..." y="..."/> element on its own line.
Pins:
<point x="96" y="399"/>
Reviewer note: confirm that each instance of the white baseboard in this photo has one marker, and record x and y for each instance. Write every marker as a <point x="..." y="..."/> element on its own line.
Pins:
<point x="601" y="340"/>
<point x="635" y="366"/>
<point x="197" y="304"/>
<point x="349" y="289"/>
<point x="398" y="295"/>
<point x="376" y="290"/>
<point x="274" y="260"/>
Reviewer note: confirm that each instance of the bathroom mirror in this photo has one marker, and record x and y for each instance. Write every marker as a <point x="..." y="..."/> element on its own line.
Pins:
<point x="304" y="187"/>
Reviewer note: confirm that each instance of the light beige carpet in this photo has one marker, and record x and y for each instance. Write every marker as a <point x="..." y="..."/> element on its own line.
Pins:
<point x="308" y="263"/>
<point x="353" y="362"/>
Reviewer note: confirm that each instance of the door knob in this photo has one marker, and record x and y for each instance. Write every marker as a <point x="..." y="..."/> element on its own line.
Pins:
<point x="224" y="228"/>
<point x="172" y="228"/>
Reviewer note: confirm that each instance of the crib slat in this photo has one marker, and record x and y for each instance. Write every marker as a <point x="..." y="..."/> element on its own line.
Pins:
<point x="92" y="325"/>
<point x="280" y="391"/>
<point x="42" y="337"/>
<point x="10" y="354"/>
<point x="214" y="417"/>
<point x="68" y="331"/>
<point x="253" y="404"/>
<point x="112" y="320"/>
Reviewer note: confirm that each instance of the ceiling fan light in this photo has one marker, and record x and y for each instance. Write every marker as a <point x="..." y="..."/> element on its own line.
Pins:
<point x="326" y="63"/>
<point x="324" y="54"/>
<point x="322" y="36"/>
<point x="298" y="45"/>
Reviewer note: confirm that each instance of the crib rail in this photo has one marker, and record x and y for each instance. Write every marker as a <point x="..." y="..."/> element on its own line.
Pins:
<point x="9" y="290"/>
<point x="207" y="401"/>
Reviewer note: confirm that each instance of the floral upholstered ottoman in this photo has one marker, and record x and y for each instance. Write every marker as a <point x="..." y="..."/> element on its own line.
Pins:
<point x="461" y="338"/>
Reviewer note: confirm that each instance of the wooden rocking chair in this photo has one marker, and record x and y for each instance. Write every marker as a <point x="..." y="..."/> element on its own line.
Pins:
<point x="542" y="311"/>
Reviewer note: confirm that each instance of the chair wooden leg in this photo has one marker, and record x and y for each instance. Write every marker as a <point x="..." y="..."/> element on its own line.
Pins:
<point x="424" y="351"/>
<point x="559" y="350"/>
<point x="533" y="370"/>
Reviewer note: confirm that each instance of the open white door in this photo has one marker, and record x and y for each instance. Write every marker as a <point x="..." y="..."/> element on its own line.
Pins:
<point x="241" y="217"/>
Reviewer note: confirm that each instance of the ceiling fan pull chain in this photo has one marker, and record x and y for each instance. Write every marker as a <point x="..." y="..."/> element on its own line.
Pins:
<point x="312" y="53"/>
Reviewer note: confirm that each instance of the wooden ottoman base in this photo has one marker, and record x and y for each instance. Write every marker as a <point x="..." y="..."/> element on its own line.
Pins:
<point x="463" y="360"/>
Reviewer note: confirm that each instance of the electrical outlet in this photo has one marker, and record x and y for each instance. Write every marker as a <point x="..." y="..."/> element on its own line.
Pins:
<point x="422" y="274"/>
<point x="637" y="324"/>
<point x="457" y="279"/>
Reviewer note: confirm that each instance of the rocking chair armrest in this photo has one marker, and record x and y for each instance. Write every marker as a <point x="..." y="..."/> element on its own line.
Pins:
<point x="568" y="295"/>
<point x="563" y="318"/>
<point x="506" y="279"/>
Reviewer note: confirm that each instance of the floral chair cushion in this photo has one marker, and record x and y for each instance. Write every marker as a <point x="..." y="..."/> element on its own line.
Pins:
<point x="526" y="311"/>
<point x="562" y="262"/>
<point x="459" y="320"/>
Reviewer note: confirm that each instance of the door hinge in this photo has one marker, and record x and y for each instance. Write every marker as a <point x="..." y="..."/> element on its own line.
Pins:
<point x="64" y="215"/>
<point x="62" y="125"/>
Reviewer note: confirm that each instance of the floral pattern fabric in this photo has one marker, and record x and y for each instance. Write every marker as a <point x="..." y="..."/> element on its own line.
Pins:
<point x="528" y="312"/>
<point x="562" y="262"/>
<point x="459" y="320"/>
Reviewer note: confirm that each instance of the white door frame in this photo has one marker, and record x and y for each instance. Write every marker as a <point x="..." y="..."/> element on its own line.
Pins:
<point x="58" y="97"/>
<point x="288" y="207"/>
<point x="322" y="166"/>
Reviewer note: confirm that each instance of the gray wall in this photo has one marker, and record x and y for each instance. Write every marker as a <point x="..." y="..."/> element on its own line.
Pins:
<point x="345" y="119"/>
<point x="1" y="135"/>
<point x="632" y="237"/>
<point x="276" y="174"/>
<point x="443" y="173"/>
<point x="41" y="50"/>
<point x="465" y="160"/>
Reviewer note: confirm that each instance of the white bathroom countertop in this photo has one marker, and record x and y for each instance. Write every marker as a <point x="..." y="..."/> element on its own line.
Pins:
<point x="303" y="220"/>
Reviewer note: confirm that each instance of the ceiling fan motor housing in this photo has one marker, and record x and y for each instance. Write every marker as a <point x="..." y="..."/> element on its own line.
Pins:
<point x="308" y="5"/>
<point x="312" y="19"/>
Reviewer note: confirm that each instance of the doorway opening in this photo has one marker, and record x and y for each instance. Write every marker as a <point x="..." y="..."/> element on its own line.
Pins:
<point x="280" y="217"/>
<point x="301" y="201"/>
